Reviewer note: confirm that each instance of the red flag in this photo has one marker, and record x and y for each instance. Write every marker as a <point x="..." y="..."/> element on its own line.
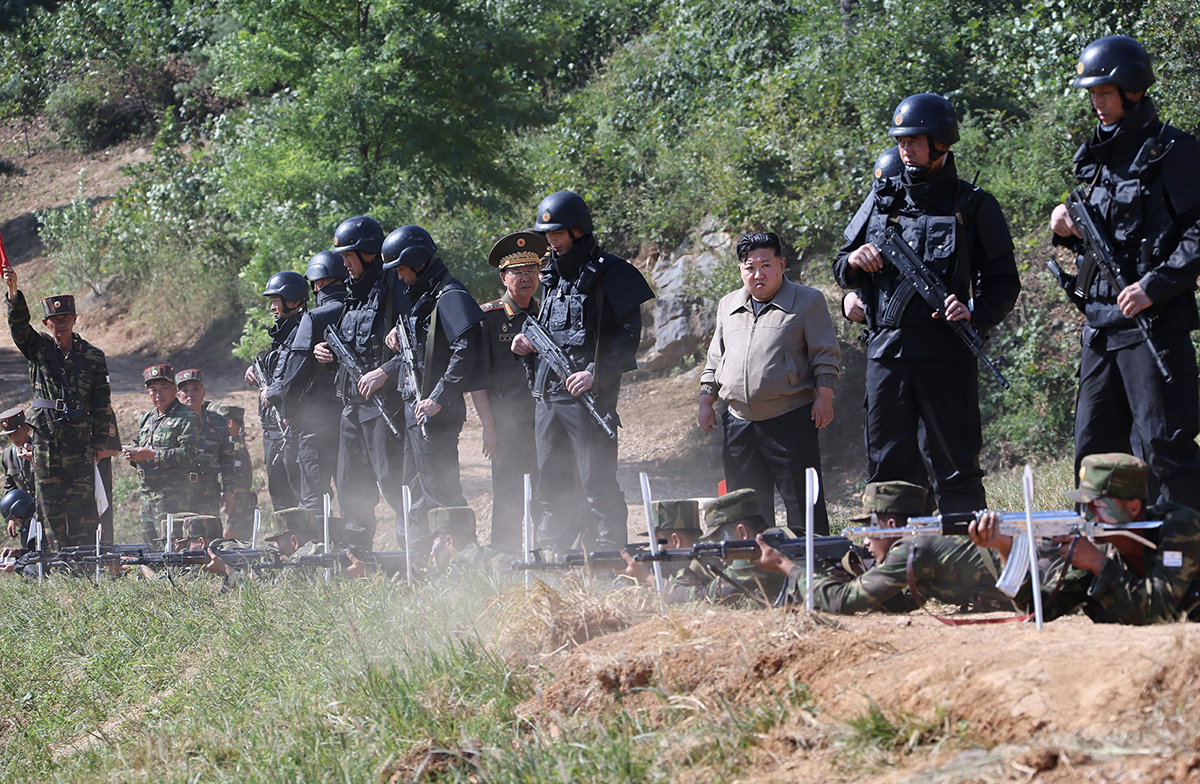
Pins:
<point x="4" y="266"/>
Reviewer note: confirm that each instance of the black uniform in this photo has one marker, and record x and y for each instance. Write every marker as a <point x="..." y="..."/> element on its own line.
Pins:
<point x="279" y="444"/>
<point x="304" y="392"/>
<point x="922" y="380"/>
<point x="445" y="322"/>
<point x="592" y="309"/>
<point x="1150" y="205"/>
<point x="370" y="458"/>
<point x="512" y="411"/>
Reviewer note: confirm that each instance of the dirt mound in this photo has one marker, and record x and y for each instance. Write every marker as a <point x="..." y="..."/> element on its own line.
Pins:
<point x="1073" y="686"/>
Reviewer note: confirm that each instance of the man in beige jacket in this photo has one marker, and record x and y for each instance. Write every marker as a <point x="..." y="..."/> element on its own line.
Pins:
<point x="774" y="360"/>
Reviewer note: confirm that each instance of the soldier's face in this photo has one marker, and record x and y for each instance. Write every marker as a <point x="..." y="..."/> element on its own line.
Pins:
<point x="276" y="306"/>
<point x="762" y="273"/>
<point x="162" y="393"/>
<point x="521" y="283"/>
<point x="1107" y="103"/>
<point x="561" y="240"/>
<point x="406" y="274"/>
<point x="353" y="264"/>
<point x="191" y="393"/>
<point x="60" y="326"/>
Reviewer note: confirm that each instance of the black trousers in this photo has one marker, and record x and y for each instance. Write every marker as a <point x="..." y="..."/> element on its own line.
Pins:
<point x="434" y="475"/>
<point x="279" y="460"/>
<point x="1125" y="405"/>
<point x="370" y="459"/>
<point x="317" y="459"/>
<point x="515" y="456"/>
<point x="772" y="454"/>
<point x="923" y="420"/>
<point x="574" y="454"/>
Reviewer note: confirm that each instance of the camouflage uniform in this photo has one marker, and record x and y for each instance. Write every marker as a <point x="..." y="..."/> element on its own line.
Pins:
<point x="240" y="518"/>
<point x="213" y="473"/>
<point x="950" y="569"/>
<point x="73" y="418"/>
<point x="165" y="480"/>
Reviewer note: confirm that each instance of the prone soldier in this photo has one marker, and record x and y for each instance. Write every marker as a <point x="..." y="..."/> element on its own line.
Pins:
<point x="445" y="324"/>
<point x="164" y="450"/>
<point x="73" y="415"/>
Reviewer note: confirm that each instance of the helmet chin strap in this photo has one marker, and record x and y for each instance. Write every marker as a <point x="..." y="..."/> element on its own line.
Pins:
<point x="919" y="173"/>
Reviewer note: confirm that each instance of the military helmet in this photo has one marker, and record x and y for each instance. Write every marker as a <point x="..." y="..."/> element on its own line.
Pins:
<point x="326" y="264"/>
<point x="925" y="114"/>
<point x="360" y="233"/>
<point x="410" y="246"/>
<point x="888" y="164"/>
<point x="563" y="210"/>
<point x="1117" y="59"/>
<point x="291" y="286"/>
<point x="17" y="503"/>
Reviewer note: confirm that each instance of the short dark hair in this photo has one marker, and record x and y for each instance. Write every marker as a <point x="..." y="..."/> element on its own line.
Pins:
<point x="759" y="239"/>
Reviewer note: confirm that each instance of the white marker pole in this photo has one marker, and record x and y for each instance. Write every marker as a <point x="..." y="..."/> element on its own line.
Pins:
<point x="406" y="495"/>
<point x="812" y="486"/>
<point x="328" y="544"/>
<point x="526" y="527"/>
<point x="41" y="555"/>
<point x="99" y="534"/>
<point x="255" y="531"/>
<point x="170" y="530"/>
<point x="650" y="523"/>
<point x="1035" y="579"/>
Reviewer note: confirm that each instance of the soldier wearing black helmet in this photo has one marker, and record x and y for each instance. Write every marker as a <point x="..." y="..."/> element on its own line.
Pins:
<point x="444" y="324"/>
<point x="922" y="380"/>
<point x="370" y="459"/>
<point x="303" y="389"/>
<point x="288" y="293"/>
<point x="1142" y="176"/>
<point x="591" y="307"/>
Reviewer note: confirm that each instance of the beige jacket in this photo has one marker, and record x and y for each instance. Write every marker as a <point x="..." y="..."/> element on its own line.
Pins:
<point x="768" y="366"/>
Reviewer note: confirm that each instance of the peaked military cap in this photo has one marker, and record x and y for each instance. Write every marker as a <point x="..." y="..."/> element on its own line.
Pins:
<point x="230" y="411"/>
<point x="11" y="421"/>
<point x="191" y="374"/>
<point x="161" y="372"/>
<point x="1111" y="475"/>
<point x="892" y="498"/>
<point x="448" y="519"/>
<point x="61" y="305"/>
<point x="519" y="249"/>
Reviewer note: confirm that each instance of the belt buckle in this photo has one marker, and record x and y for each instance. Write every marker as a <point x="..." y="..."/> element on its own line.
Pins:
<point x="60" y="405"/>
<point x="193" y="477"/>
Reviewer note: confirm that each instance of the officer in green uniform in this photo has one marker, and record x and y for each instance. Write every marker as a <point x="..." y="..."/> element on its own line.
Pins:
<point x="164" y="450"/>
<point x="239" y="517"/>
<point x="73" y="416"/>
<point x="1131" y="583"/>
<point x="505" y="406"/>
<point x="212" y="481"/>
<point x="908" y="570"/>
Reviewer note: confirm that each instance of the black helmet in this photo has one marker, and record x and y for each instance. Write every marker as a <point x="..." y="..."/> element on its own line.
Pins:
<point x="360" y="233"/>
<point x="410" y="246"/>
<point x="326" y="264"/>
<point x="925" y="114"/>
<point x="888" y="164"/>
<point x="290" y="285"/>
<point x="563" y="210"/>
<point x="17" y="503"/>
<point x="1117" y="59"/>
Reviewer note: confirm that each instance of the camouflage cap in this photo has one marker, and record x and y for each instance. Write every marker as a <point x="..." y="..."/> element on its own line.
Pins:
<point x="1111" y="475"/>
<point x="11" y="421"/>
<point x="61" y="305"/>
<point x="293" y="520"/>
<point x="231" y="411"/>
<point x="729" y="508"/>
<point x="191" y="374"/>
<point x="451" y="519"/>
<point x="892" y="498"/>
<point x="208" y="526"/>
<point x="160" y="372"/>
<point x="177" y="529"/>
<point x="519" y="249"/>
<point x="676" y="515"/>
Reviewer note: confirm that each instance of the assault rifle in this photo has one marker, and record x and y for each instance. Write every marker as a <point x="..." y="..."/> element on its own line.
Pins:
<point x="388" y="561"/>
<point x="552" y="359"/>
<point x="1046" y="525"/>
<point x="1098" y="254"/>
<point x="355" y="370"/>
<point x="409" y="384"/>
<point x="931" y="289"/>
<point x="596" y="560"/>
<point x="824" y="547"/>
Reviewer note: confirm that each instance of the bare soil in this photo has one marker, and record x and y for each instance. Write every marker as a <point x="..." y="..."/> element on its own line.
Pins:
<point x="1075" y="702"/>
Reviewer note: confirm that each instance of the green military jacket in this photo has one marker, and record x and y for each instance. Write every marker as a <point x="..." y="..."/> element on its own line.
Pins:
<point x="18" y="472"/>
<point x="738" y="584"/>
<point x="214" y="453"/>
<point x="950" y="569"/>
<point x="167" y="480"/>
<point x="78" y="382"/>
<point x="1169" y="591"/>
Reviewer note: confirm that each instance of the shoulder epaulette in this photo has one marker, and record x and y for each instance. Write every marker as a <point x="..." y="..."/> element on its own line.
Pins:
<point x="495" y="304"/>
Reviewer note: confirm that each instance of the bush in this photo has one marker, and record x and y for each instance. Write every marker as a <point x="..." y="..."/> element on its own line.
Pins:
<point x="88" y="116"/>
